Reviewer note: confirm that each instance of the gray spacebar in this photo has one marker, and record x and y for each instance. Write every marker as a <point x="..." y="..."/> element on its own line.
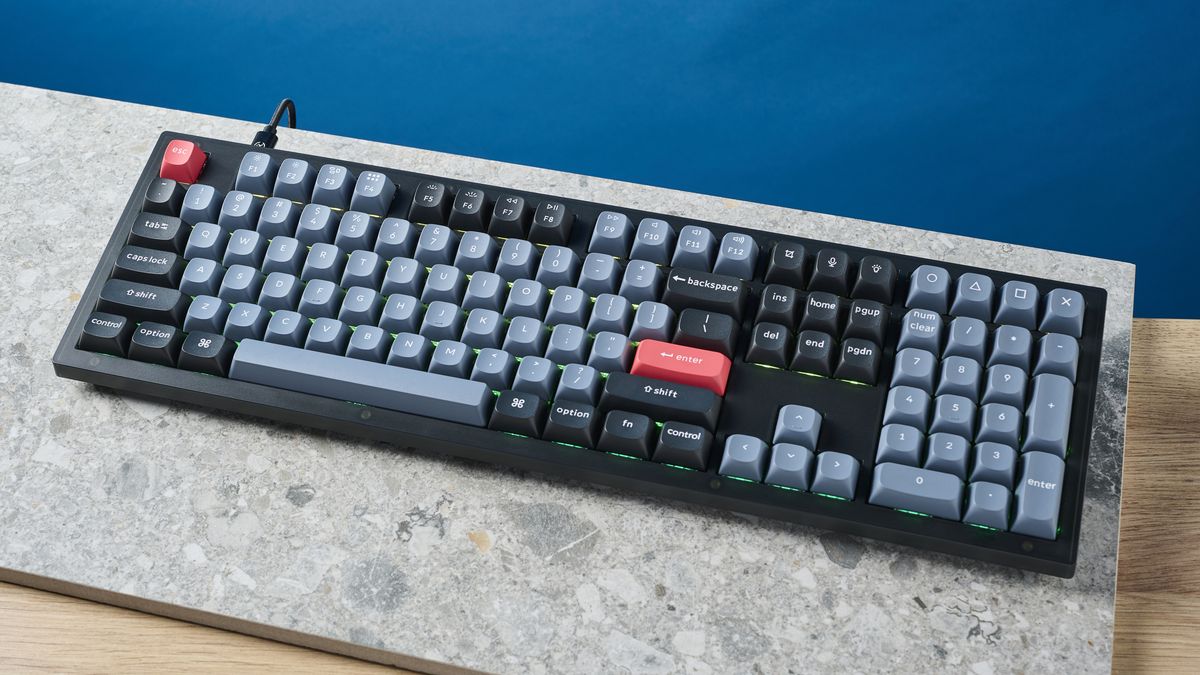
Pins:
<point x="376" y="384"/>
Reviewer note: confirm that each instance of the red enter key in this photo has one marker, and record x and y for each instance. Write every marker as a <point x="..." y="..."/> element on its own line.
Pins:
<point x="682" y="365"/>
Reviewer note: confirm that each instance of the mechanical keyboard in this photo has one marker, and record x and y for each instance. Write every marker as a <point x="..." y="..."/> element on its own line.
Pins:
<point x="915" y="401"/>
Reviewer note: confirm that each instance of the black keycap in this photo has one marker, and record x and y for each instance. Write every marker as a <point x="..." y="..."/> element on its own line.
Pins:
<point x="770" y="345"/>
<point x="814" y="353"/>
<point x="876" y="279"/>
<point x="137" y="263"/>
<point x="510" y="218"/>
<point x="859" y="361"/>
<point x="831" y="272"/>
<point x="430" y="203"/>
<point x="142" y="302"/>
<point x="519" y="413"/>
<point x="627" y="433"/>
<point x="660" y="400"/>
<point x="787" y="264"/>
<point x="470" y="205"/>
<point x="106" y="333"/>
<point x="206" y="353"/>
<point x="779" y="304"/>
<point x="704" y="290"/>
<point x="822" y="312"/>
<point x="164" y="197"/>
<point x="155" y="343"/>
<point x="683" y="445"/>
<point x="706" y="330"/>
<point x="165" y="233"/>
<point x="572" y="422"/>
<point x="867" y="320"/>
<point x="551" y="224"/>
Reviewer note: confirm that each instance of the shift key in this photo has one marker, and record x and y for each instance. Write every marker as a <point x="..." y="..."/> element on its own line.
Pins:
<point x="143" y="302"/>
<point x="661" y="401"/>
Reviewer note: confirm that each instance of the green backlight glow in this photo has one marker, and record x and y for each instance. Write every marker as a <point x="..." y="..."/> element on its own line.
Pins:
<point x="617" y="454"/>
<point x="829" y="496"/>
<point x="676" y="466"/>
<point x="744" y="480"/>
<point x="984" y="527"/>
<point x="517" y="435"/>
<point x="763" y="365"/>
<point x="784" y="487"/>
<point x="914" y="513"/>
<point x="569" y="445"/>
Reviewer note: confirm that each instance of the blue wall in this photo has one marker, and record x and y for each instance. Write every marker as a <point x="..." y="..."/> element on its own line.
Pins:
<point x="1073" y="126"/>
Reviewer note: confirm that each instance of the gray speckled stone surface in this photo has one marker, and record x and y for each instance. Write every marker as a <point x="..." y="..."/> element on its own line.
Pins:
<point x="458" y="562"/>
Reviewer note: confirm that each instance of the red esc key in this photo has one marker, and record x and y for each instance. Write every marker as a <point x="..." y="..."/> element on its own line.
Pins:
<point x="182" y="161"/>
<point x="682" y="365"/>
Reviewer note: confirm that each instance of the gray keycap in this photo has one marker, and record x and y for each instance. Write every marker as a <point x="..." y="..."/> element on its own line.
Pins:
<point x="568" y="344"/>
<point x="396" y="239"/>
<point x="404" y="275"/>
<point x="1018" y="304"/>
<point x="239" y="211"/>
<point x="947" y="453"/>
<point x="452" y="358"/>
<point x="907" y="405"/>
<point x="443" y="321"/>
<point x="334" y="186"/>
<point x="536" y="376"/>
<point x="410" y="351"/>
<point x="612" y="235"/>
<point x="207" y="240"/>
<point x="206" y="314"/>
<point x="284" y="254"/>
<point x="790" y="466"/>
<point x="201" y="204"/>
<point x="960" y="376"/>
<point x="568" y="305"/>
<point x="652" y="321"/>
<point x="402" y="313"/>
<point x="737" y="256"/>
<point x="836" y="475"/>
<point x="929" y="288"/>
<point x="915" y="368"/>
<point x="1048" y="417"/>
<point x="477" y="252"/>
<point x="246" y="321"/>
<point x="695" y="249"/>
<point x="317" y="224"/>
<point x="610" y="313"/>
<point x="987" y="505"/>
<point x="246" y="247"/>
<point x="484" y="328"/>
<point x="1012" y="345"/>
<point x="356" y="230"/>
<point x="930" y="492"/>
<point x="966" y="337"/>
<point x="363" y="268"/>
<point x="921" y="329"/>
<point x="745" y="457"/>
<point x="518" y="260"/>
<point x="526" y="336"/>
<point x="999" y="423"/>
<point x="599" y="274"/>
<point x="642" y="282"/>
<point x="1057" y="354"/>
<point x="373" y="193"/>
<point x="256" y="173"/>
<point x="797" y="424"/>
<point x="201" y="277"/>
<point x="445" y="283"/>
<point x="973" y="297"/>
<point x="240" y="284"/>
<point x="1039" y="494"/>
<point x="287" y="328"/>
<point x="295" y="180"/>
<point x="901" y="444"/>
<point x="278" y="218"/>
<point x="408" y="391"/>
<point x="611" y="353"/>
<point x="280" y="291"/>
<point x="436" y="244"/>
<point x="1063" y="313"/>
<point x="360" y="307"/>
<point x="1005" y="384"/>
<point x="369" y="343"/>
<point x="994" y="463"/>
<point x="653" y="242"/>
<point x="495" y="368"/>
<point x="579" y="383"/>
<point x="324" y="261"/>
<point x="320" y="298"/>
<point x="485" y="290"/>
<point x="559" y="267"/>
<point x="526" y="298"/>
<point x="953" y="415"/>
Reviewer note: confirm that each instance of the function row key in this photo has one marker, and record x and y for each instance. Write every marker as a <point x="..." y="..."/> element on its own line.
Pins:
<point x="1061" y="310"/>
<point x="831" y="272"/>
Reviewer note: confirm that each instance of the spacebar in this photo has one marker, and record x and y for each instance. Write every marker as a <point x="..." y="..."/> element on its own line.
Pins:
<point x="366" y="382"/>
